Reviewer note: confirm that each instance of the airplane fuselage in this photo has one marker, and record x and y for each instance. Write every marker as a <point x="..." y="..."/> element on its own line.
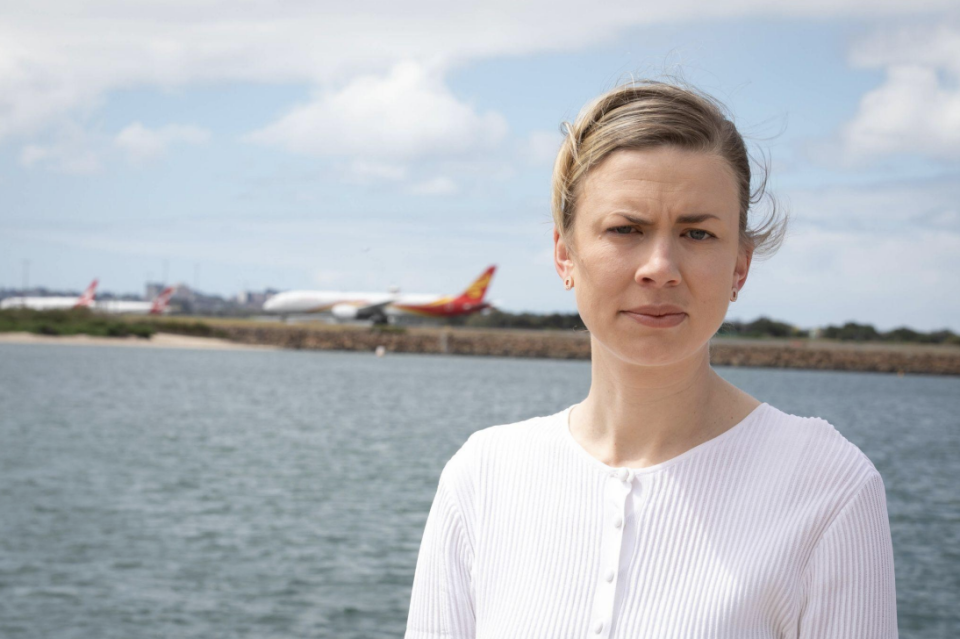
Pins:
<point x="381" y="306"/>
<point x="40" y="303"/>
<point x="306" y="302"/>
<point x="130" y="307"/>
<point x="319" y="301"/>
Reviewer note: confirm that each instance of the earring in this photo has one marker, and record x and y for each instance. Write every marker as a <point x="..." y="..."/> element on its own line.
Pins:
<point x="734" y="298"/>
<point x="568" y="283"/>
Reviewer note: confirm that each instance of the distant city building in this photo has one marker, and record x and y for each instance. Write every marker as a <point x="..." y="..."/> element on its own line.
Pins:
<point x="255" y="299"/>
<point x="251" y="298"/>
<point x="152" y="290"/>
<point x="184" y="293"/>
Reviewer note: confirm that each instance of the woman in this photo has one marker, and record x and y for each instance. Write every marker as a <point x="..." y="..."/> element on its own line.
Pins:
<point x="668" y="503"/>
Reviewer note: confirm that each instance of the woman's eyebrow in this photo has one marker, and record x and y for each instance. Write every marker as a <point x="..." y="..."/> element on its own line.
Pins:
<point x="694" y="218"/>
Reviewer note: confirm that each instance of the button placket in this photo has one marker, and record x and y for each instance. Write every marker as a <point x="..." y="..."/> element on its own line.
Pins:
<point x="617" y="489"/>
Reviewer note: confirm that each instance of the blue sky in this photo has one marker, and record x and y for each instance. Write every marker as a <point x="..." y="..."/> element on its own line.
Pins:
<point x="321" y="148"/>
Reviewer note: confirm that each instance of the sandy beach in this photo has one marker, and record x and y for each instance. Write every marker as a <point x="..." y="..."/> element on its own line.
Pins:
<point x="158" y="340"/>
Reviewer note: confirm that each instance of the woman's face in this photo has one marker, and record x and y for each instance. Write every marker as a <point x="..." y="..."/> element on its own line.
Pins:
<point x="658" y="227"/>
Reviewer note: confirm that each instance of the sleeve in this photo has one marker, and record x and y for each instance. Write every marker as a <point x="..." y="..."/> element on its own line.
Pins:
<point x="441" y="602"/>
<point x="848" y="585"/>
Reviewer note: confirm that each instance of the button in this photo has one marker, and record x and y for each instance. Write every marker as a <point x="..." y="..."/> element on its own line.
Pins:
<point x="625" y="474"/>
<point x="610" y="575"/>
<point x="598" y="628"/>
<point x="618" y="521"/>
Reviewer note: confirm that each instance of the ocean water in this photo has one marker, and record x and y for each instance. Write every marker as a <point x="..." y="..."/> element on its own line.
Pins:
<point x="274" y="494"/>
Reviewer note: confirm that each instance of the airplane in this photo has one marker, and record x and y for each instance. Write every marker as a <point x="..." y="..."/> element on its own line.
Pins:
<point x="52" y="303"/>
<point x="380" y="307"/>
<point x="131" y="307"/>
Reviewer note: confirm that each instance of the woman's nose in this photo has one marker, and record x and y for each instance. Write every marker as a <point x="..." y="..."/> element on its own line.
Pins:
<point x="658" y="263"/>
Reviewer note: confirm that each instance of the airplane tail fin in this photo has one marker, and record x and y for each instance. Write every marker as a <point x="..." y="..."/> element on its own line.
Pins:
<point x="86" y="300"/>
<point x="476" y="291"/>
<point x="162" y="300"/>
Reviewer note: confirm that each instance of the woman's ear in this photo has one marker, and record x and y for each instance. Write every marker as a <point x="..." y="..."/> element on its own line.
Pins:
<point x="562" y="258"/>
<point x="744" y="258"/>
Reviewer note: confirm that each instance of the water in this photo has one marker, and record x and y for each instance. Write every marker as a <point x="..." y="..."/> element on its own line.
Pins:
<point x="273" y="494"/>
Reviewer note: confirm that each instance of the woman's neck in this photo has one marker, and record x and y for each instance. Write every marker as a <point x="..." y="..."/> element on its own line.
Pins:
<point x="641" y="416"/>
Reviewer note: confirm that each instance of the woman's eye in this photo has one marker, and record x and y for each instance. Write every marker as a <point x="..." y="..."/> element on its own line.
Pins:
<point x="627" y="230"/>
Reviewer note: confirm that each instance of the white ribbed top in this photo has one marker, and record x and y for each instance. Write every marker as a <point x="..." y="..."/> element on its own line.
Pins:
<point x="776" y="528"/>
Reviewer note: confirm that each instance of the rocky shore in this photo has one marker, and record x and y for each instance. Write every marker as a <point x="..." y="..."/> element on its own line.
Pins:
<point x="761" y="353"/>
<point x="803" y="354"/>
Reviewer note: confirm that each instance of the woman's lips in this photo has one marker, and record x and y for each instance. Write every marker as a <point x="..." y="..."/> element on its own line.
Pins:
<point x="657" y="321"/>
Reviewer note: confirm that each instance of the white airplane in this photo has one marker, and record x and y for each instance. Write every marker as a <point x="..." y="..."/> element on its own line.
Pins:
<point x="380" y="307"/>
<point x="131" y="307"/>
<point x="52" y="303"/>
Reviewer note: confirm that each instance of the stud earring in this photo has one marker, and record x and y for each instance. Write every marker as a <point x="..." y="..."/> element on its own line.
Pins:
<point x="734" y="298"/>
<point x="568" y="283"/>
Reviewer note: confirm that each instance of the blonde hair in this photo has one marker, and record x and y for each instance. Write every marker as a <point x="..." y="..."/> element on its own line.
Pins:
<point x="648" y="113"/>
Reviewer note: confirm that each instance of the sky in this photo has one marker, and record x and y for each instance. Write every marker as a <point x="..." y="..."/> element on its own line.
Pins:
<point x="245" y="145"/>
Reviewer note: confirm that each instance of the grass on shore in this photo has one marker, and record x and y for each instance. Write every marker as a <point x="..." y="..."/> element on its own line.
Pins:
<point x="75" y="321"/>
<point x="184" y="326"/>
<point x="83" y="321"/>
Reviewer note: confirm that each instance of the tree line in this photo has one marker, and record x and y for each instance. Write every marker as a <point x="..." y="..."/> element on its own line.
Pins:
<point x="758" y="328"/>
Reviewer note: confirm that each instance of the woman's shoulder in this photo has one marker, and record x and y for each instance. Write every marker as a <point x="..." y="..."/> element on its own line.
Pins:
<point x="814" y="448"/>
<point x="511" y="433"/>
<point x="500" y="447"/>
<point x="501" y="439"/>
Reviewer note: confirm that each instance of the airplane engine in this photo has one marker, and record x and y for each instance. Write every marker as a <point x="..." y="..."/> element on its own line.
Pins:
<point x="344" y="311"/>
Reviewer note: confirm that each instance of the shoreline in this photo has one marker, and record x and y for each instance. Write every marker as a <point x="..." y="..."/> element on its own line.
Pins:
<point x="802" y="354"/>
<point x="157" y="340"/>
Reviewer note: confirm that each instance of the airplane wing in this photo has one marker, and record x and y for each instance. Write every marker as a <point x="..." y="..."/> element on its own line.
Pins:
<point x="372" y="307"/>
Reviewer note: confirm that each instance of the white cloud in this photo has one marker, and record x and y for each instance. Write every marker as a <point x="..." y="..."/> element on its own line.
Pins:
<point x="60" y="159"/>
<point x="435" y="186"/>
<point x="407" y="114"/>
<point x="929" y="46"/>
<point x="361" y="171"/>
<point x="141" y="143"/>
<point x="917" y="108"/>
<point x="71" y="150"/>
<point x="51" y="68"/>
<point x="888" y="280"/>
<point x="74" y="150"/>
<point x="885" y="255"/>
<point x="893" y="208"/>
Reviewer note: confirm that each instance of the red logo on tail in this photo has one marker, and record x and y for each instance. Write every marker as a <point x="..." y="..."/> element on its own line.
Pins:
<point x="478" y="289"/>
<point x="161" y="301"/>
<point x="86" y="299"/>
